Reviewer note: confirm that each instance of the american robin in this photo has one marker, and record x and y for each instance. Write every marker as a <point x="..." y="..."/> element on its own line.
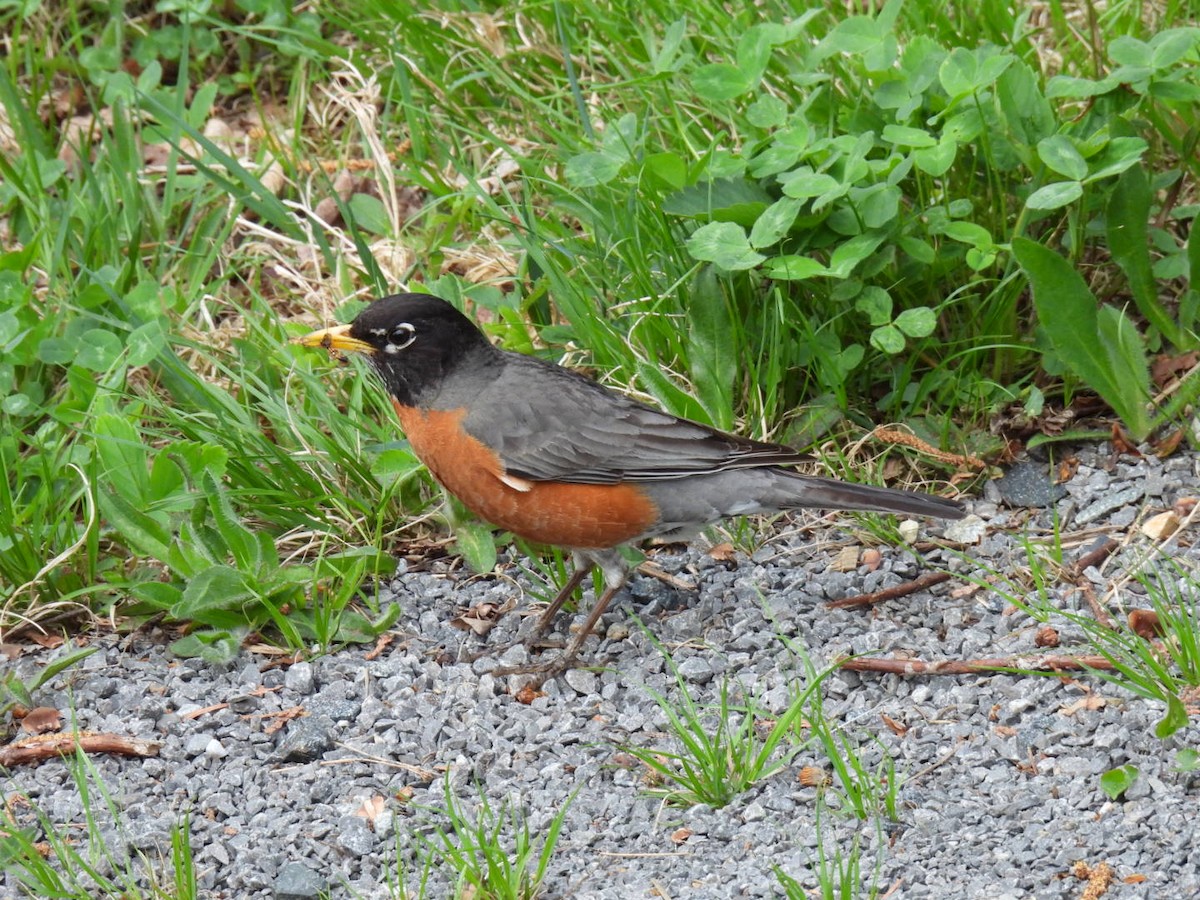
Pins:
<point x="557" y="459"/>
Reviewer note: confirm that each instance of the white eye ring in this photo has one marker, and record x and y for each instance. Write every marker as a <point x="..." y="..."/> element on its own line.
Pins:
<point x="402" y="335"/>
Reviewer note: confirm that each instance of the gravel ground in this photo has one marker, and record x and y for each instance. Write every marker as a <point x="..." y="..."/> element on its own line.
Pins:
<point x="999" y="775"/>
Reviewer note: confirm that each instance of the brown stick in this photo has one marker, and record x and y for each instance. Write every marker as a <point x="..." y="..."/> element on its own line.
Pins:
<point x="898" y="666"/>
<point x="1092" y="558"/>
<point x="49" y="746"/>
<point x="1093" y="602"/>
<point x="900" y="590"/>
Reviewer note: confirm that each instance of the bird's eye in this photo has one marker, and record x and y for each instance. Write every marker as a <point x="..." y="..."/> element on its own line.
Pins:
<point x="402" y="335"/>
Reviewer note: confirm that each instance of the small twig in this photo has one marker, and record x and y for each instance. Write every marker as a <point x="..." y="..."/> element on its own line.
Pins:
<point x="1092" y="558"/>
<point x="1093" y="601"/>
<point x="941" y="761"/>
<point x="50" y="746"/>
<point x="900" y="666"/>
<point x="904" y="438"/>
<point x="654" y="570"/>
<point x="900" y="590"/>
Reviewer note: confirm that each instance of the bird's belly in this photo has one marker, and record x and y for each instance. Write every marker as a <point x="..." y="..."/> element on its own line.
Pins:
<point x="579" y="516"/>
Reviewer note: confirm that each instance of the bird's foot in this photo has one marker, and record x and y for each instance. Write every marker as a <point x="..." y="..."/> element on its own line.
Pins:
<point x="544" y="671"/>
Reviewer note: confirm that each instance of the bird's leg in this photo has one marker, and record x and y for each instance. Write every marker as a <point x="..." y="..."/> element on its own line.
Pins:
<point x="582" y="568"/>
<point x="615" y="575"/>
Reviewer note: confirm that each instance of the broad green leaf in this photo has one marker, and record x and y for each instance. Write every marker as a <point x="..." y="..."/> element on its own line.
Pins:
<point x="904" y="136"/>
<point x="18" y="404"/>
<point x="369" y="213"/>
<point x="476" y="544"/>
<point x="878" y="205"/>
<point x="959" y="72"/>
<point x="937" y="160"/>
<point x="1072" y="88"/>
<point x="887" y="339"/>
<point x="1120" y="154"/>
<point x="98" y="350"/>
<point x="393" y="466"/>
<point x="921" y="251"/>
<point x="1116" y="782"/>
<point x="1187" y="759"/>
<point x="1129" y="51"/>
<point x="968" y="233"/>
<point x="1175" y="91"/>
<point x="1024" y="107"/>
<point x="784" y="150"/>
<point x="212" y="594"/>
<point x="158" y="594"/>
<point x="917" y="322"/>
<point x="846" y="257"/>
<point x="754" y="49"/>
<point x="1068" y="315"/>
<point x="1056" y="195"/>
<point x="963" y="127"/>
<point x="1170" y="46"/>
<point x="805" y="183"/>
<point x="980" y="259"/>
<point x="849" y="359"/>
<point x="669" y="57"/>
<point x="593" y="168"/>
<point x="876" y="304"/>
<point x="1175" y="718"/>
<point x="722" y="81"/>
<point x="775" y="222"/>
<point x="145" y="343"/>
<point x="216" y="648"/>
<point x="711" y="347"/>
<point x="138" y="531"/>
<point x="1061" y="157"/>
<point x="124" y="458"/>
<point x="56" y="351"/>
<point x="1127" y="218"/>
<point x="853" y="35"/>
<point x="794" y="268"/>
<point x="671" y="396"/>
<point x="724" y="244"/>
<point x="239" y="540"/>
<point x="723" y="200"/>
<point x="669" y="168"/>
<point x="768" y="111"/>
<point x="1123" y="343"/>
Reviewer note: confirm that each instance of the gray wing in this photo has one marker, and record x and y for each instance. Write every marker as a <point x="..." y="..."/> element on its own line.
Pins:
<point x="568" y="428"/>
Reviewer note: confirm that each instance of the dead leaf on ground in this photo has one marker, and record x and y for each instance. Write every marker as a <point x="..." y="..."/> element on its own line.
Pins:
<point x="281" y="718"/>
<point x="480" y="618"/>
<point x="371" y="809"/>
<point x="812" y="776"/>
<point x="528" y="694"/>
<point x="47" y="641"/>
<point x="381" y="644"/>
<point x="1047" y="636"/>
<point x="723" y="552"/>
<point x="1098" y="878"/>
<point x="1145" y="623"/>
<point x="845" y="561"/>
<point x="42" y="720"/>
<point x="1162" y="526"/>
<point x="1090" y="702"/>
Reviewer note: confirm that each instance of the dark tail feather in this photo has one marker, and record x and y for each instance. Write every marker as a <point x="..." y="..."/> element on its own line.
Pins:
<point x="811" y="492"/>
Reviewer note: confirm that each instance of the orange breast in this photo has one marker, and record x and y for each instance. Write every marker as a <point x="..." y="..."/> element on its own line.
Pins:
<point x="583" y="516"/>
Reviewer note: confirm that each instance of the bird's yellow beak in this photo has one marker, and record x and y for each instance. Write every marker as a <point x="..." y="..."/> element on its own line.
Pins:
<point x="337" y="338"/>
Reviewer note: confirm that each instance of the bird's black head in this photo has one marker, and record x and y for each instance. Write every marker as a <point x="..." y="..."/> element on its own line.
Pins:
<point x="412" y="340"/>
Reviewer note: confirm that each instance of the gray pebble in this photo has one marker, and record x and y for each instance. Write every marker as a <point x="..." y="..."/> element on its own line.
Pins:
<point x="297" y="881"/>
